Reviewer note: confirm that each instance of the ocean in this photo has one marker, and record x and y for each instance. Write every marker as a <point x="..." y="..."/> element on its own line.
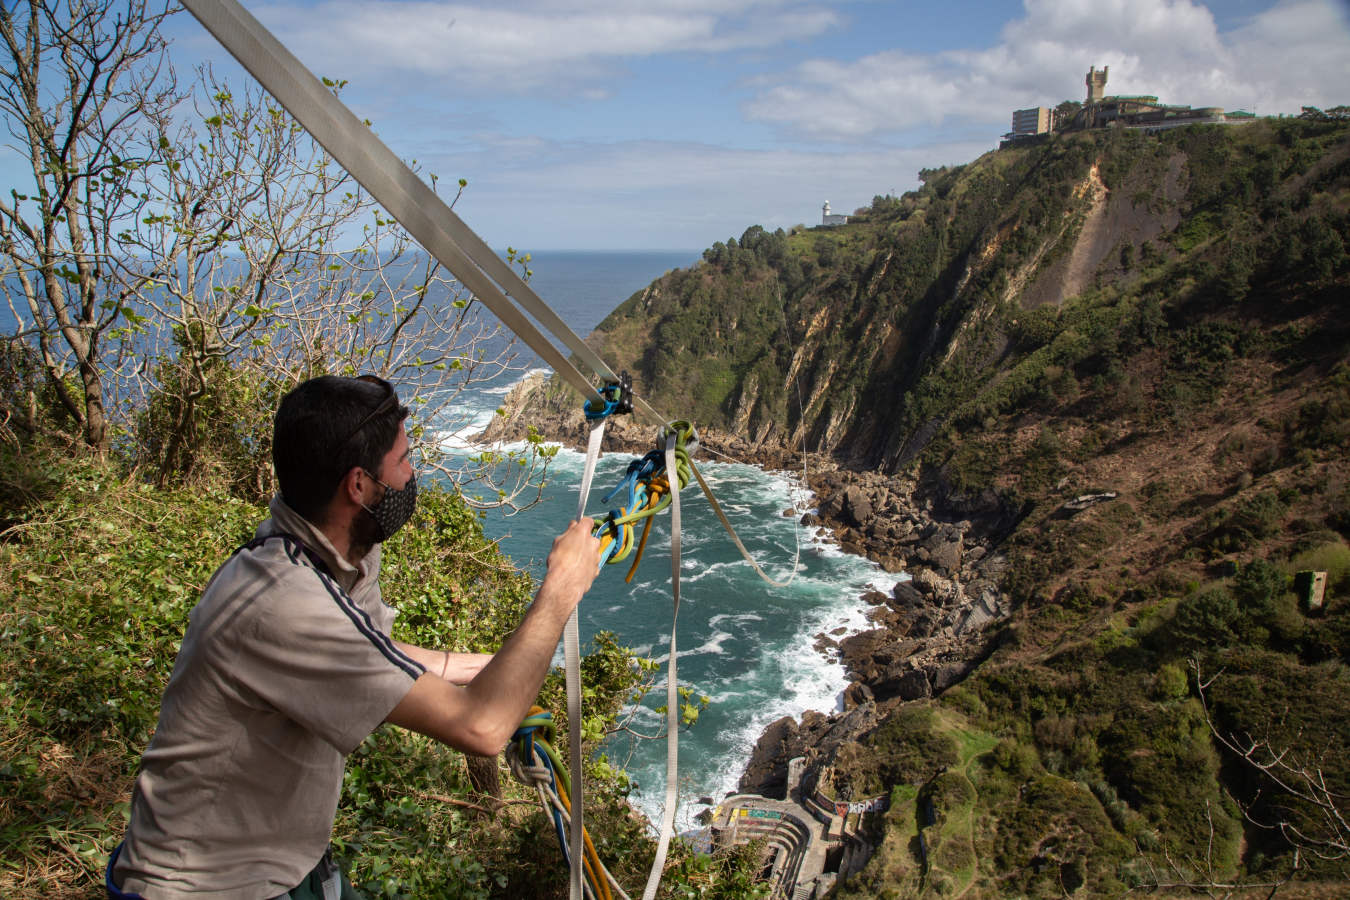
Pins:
<point x="747" y="646"/>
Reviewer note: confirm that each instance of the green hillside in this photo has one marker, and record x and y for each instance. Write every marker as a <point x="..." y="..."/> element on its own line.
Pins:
<point x="1157" y="319"/>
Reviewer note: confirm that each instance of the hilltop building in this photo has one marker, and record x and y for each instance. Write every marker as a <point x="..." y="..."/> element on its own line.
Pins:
<point x="1096" y="84"/>
<point x="1101" y="111"/>
<point x="1037" y="120"/>
<point x="828" y="218"/>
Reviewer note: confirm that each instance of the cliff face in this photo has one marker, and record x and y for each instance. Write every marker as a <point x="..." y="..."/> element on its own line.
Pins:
<point x="1095" y="396"/>
<point x="859" y="341"/>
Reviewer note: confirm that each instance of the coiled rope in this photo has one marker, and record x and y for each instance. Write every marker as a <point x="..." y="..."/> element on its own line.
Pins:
<point x="534" y="761"/>
<point x="647" y="492"/>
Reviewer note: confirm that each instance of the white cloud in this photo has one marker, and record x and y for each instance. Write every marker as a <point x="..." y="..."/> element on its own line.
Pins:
<point x="534" y="45"/>
<point x="664" y="194"/>
<point x="1296" y="54"/>
<point x="1293" y="54"/>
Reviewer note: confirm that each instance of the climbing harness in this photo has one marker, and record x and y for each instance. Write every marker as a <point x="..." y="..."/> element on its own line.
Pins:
<point x="535" y="762"/>
<point x="429" y="220"/>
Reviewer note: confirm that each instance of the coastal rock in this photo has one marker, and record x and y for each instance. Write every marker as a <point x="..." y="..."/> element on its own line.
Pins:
<point x="857" y="694"/>
<point x="934" y="586"/>
<point x="858" y="652"/>
<point x="945" y="553"/>
<point x="907" y="596"/>
<point x="949" y="674"/>
<point x="766" y="772"/>
<point x="889" y="564"/>
<point x="911" y="684"/>
<point x="856" y="506"/>
<point x="923" y="624"/>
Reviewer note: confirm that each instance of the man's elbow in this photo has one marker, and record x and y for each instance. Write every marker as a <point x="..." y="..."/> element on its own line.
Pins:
<point x="484" y="738"/>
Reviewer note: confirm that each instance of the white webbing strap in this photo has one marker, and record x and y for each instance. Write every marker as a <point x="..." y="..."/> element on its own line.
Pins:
<point x="672" y="683"/>
<point x="572" y="667"/>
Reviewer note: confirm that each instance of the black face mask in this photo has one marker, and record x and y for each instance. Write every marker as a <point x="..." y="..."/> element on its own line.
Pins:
<point x="394" y="508"/>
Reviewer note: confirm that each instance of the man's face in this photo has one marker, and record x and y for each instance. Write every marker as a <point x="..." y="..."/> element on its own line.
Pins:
<point x="396" y="468"/>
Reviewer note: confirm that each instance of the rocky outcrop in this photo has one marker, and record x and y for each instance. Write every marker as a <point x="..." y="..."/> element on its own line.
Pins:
<point x="930" y="631"/>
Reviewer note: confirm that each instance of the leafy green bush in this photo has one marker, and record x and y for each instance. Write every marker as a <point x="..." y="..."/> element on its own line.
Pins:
<point x="99" y="581"/>
<point x="1057" y="829"/>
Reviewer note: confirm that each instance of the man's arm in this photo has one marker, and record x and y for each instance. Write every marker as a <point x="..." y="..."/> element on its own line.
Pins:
<point x="456" y="668"/>
<point x="481" y="716"/>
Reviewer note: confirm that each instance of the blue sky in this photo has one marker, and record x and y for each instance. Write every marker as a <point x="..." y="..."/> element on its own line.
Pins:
<point x="672" y="124"/>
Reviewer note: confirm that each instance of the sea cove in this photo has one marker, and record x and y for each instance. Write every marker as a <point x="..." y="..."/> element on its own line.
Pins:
<point x="749" y="647"/>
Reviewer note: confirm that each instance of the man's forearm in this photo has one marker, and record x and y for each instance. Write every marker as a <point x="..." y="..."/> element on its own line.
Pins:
<point x="510" y="682"/>
<point x="456" y="668"/>
<point x="482" y="716"/>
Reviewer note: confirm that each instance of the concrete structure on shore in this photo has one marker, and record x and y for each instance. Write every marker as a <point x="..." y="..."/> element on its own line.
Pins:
<point x="810" y="840"/>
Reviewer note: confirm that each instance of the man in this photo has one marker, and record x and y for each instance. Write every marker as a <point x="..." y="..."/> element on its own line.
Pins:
<point x="287" y="665"/>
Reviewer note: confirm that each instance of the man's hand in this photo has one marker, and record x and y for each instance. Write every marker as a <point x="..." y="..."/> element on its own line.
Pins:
<point x="573" y="563"/>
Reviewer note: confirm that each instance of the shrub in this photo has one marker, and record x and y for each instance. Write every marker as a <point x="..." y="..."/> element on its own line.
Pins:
<point x="89" y="639"/>
<point x="1209" y="618"/>
<point x="1333" y="558"/>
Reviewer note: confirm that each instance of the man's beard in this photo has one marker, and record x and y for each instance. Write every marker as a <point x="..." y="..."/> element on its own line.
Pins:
<point x="364" y="533"/>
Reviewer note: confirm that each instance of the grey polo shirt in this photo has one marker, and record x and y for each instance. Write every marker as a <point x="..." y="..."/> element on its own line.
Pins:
<point x="283" y="671"/>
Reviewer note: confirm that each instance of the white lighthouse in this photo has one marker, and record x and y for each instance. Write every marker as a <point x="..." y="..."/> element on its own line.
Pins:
<point x="828" y="218"/>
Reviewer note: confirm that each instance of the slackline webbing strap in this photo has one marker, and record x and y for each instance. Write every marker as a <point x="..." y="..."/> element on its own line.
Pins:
<point x="572" y="668"/>
<point x="672" y="684"/>
<point x="399" y="190"/>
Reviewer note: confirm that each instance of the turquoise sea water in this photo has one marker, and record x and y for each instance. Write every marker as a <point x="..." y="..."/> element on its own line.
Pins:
<point x="743" y="643"/>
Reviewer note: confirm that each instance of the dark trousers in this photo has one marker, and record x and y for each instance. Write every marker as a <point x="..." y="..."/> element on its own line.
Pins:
<point x="315" y="884"/>
<point x="311" y="888"/>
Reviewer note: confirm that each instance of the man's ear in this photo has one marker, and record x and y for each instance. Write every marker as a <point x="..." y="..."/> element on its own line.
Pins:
<point x="353" y="486"/>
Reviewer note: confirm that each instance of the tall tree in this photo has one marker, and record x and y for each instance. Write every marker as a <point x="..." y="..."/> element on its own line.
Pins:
<point x="77" y="82"/>
<point x="185" y="255"/>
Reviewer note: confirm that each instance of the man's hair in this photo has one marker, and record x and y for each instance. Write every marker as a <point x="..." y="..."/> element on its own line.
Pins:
<point x="323" y="429"/>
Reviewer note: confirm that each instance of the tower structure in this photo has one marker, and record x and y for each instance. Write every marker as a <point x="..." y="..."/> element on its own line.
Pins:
<point x="829" y="218"/>
<point x="1096" y="84"/>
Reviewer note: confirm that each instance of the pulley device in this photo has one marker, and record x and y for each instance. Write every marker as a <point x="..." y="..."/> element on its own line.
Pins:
<point x="615" y="397"/>
<point x="429" y="220"/>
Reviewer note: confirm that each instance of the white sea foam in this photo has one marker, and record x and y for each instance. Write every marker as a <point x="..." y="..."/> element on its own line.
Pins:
<point x="745" y="644"/>
<point x="504" y="389"/>
<point x="743" y="617"/>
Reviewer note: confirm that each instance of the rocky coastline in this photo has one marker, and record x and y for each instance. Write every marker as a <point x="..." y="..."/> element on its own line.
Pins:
<point x="928" y="632"/>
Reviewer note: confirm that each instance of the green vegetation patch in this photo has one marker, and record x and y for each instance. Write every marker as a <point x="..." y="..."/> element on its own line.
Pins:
<point x="98" y="580"/>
